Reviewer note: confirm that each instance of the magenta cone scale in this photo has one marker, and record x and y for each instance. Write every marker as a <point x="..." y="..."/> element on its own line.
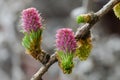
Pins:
<point x="65" y="40"/>
<point x="31" y="20"/>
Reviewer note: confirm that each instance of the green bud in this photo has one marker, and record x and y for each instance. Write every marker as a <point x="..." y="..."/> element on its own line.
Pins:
<point x="83" y="18"/>
<point x="84" y="49"/>
<point x="80" y="19"/>
<point x="116" y="10"/>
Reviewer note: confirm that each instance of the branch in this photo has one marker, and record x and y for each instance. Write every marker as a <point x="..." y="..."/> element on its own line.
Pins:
<point x="43" y="69"/>
<point x="81" y="32"/>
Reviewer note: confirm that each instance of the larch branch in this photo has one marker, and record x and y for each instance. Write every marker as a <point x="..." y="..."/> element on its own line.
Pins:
<point x="81" y="32"/>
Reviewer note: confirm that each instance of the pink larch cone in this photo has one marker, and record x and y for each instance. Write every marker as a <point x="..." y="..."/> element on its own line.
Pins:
<point x="31" y="20"/>
<point x="65" y="40"/>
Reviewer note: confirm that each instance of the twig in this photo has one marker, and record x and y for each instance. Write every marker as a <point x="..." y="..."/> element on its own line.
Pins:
<point x="81" y="32"/>
<point x="96" y="16"/>
<point x="43" y="69"/>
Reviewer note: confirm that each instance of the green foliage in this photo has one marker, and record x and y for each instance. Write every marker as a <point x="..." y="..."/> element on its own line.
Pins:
<point x="116" y="10"/>
<point x="32" y="40"/>
<point x="65" y="61"/>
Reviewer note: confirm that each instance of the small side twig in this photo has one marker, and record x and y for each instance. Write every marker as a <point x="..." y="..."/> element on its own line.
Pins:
<point x="96" y="17"/>
<point x="81" y="32"/>
<point x="43" y="69"/>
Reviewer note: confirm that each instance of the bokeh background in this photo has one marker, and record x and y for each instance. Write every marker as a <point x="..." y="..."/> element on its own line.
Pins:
<point x="103" y="62"/>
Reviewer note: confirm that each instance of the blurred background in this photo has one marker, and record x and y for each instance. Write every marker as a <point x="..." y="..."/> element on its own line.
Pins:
<point x="103" y="62"/>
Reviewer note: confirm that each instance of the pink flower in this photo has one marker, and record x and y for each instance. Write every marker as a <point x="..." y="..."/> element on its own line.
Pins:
<point x="31" y="20"/>
<point x="65" y="40"/>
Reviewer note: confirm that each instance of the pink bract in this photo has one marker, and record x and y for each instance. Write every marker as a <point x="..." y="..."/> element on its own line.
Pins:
<point x="31" y="20"/>
<point x="65" y="40"/>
